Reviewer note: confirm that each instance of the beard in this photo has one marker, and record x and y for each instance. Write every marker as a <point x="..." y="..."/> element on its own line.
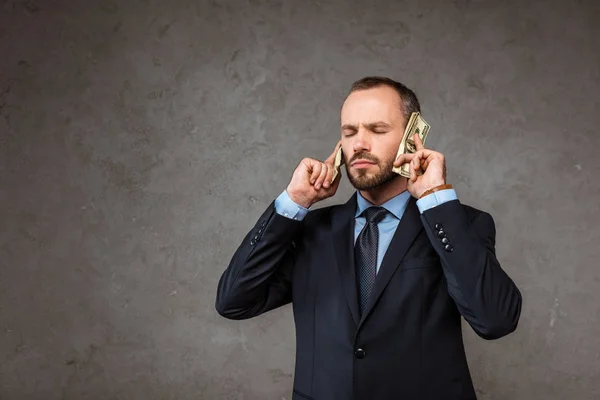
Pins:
<point x="361" y="179"/>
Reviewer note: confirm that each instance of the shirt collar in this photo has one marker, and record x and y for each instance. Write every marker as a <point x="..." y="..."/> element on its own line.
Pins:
<point x="396" y="205"/>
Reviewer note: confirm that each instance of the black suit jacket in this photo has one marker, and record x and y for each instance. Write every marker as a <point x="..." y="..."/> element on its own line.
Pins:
<point x="408" y="343"/>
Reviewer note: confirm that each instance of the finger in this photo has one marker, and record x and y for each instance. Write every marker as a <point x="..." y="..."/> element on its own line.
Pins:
<point x="419" y="167"/>
<point x="415" y="164"/>
<point x="416" y="160"/>
<point x="331" y="158"/>
<point x="411" y="171"/>
<point x="418" y="142"/>
<point x="415" y="174"/>
<point x="316" y="171"/>
<point x="403" y="159"/>
<point x="329" y="178"/>
<point x="427" y="153"/>
<point x="322" y="175"/>
<point x="425" y="164"/>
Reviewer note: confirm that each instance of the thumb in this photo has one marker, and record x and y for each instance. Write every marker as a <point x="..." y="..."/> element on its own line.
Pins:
<point x="403" y="159"/>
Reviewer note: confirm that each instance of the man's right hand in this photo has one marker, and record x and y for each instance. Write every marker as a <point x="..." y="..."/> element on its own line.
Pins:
<point x="311" y="181"/>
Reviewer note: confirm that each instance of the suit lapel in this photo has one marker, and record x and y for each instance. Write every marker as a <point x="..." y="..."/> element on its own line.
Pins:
<point x="343" y="240"/>
<point x="408" y="229"/>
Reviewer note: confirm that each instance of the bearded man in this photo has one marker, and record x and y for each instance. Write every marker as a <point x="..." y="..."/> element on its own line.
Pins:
<point x="378" y="285"/>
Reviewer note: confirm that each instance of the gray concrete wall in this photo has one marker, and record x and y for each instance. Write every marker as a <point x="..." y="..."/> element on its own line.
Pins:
<point x="140" y="140"/>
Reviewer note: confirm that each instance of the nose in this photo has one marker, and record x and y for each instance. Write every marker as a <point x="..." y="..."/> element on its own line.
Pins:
<point x="361" y="142"/>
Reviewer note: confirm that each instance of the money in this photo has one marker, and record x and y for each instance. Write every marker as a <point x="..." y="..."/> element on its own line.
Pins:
<point x="416" y="125"/>
<point x="337" y="164"/>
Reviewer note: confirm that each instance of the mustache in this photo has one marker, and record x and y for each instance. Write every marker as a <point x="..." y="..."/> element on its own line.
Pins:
<point x="364" y="156"/>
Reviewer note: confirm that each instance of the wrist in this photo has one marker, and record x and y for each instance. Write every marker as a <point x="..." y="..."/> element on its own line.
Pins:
<point x="435" y="188"/>
<point x="298" y="199"/>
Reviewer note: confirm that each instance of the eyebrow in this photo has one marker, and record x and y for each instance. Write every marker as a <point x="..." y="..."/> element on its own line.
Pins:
<point x="370" y="126"/>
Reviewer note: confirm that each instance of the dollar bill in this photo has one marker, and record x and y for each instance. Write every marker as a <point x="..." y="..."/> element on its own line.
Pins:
<point x="416" y="125"/>
<point x="409" y="128"/>
<point x="337" y="163"/>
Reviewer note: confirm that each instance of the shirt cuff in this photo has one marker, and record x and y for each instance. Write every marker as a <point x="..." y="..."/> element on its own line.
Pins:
<point x="288" y="208"/>
<point x="435" y="199"/>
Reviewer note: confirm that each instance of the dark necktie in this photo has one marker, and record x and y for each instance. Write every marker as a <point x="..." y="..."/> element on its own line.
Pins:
<point x="365" y="253"/>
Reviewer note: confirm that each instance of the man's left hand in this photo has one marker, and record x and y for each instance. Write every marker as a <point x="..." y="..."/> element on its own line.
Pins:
<point x="427" y="168"/>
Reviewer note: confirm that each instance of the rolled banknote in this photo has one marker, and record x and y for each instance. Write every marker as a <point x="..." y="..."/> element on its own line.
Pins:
<point x="337" y="164"/>
<point x="402" y="147"/>
<point x="416" y="125"/>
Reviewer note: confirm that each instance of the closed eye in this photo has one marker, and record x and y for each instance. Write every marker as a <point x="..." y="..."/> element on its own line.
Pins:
<point x="349" y="132"/>
<point x="378" y="127"/>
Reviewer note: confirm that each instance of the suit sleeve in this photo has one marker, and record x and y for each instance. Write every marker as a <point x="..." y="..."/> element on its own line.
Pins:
<point x="258" y="277"/>
<point x="485" y="295"/>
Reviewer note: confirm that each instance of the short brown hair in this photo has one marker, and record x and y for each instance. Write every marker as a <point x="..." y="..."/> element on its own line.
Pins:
<point x="408" y="98"/>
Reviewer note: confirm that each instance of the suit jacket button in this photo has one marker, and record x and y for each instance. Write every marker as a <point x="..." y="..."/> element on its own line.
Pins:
<point x="438" y="227"/>
<point x="360" y="353"/>
<point x="449" y="248"/>
<point x="252" y="242"/>
<point x="445" y="241"/>
<point x="441" y="233"/>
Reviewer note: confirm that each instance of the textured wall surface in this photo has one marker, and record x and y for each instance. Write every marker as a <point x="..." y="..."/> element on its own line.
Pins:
<point x="140" y="140"/>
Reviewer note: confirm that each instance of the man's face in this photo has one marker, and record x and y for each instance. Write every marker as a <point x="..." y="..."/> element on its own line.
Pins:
<point x="372" y="127"/>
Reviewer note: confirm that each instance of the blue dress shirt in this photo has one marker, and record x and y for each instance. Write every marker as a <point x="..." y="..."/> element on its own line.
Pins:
<point x="396" y="206"/>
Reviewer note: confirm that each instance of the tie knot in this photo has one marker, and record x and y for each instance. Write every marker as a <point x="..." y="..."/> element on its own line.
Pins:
<point x="374" y="214"/>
